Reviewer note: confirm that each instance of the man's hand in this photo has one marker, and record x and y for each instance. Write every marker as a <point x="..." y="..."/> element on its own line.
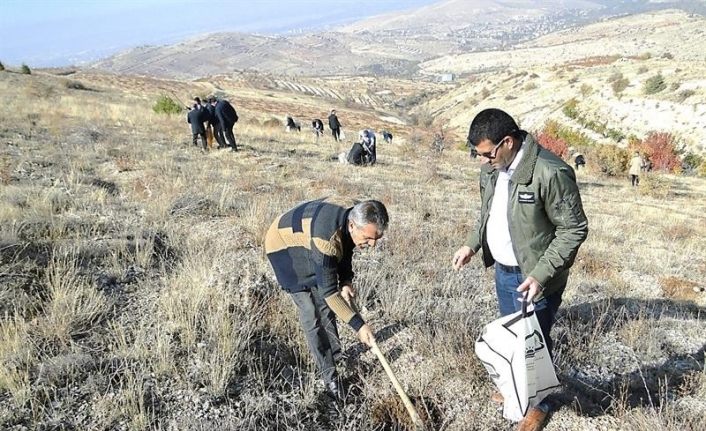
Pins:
<point x="531" y="287"/>
<point x="365" y="335"/>
<point x="462" y="257"/>
<point x="348" y="293"/>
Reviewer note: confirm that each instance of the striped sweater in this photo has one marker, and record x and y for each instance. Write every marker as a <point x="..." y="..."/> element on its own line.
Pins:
<point x="310" y="246"/>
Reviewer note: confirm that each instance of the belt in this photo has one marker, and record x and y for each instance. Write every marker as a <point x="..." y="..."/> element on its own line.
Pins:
<point x="513" y="269"/>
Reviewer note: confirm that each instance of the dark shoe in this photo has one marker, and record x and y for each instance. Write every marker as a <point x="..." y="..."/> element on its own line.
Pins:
<point x="335" y="391"/>
<point x="533" y="421"/>
<point x="497" y="398"/>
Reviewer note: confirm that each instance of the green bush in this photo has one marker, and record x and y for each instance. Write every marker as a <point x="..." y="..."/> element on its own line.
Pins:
<point x="609" y="159"/>
<point x="691" y="163"/>
<point x="166" y="105"/>
<point x="2" y="66"/>
<point x="25" y="69"/>
<point x="654" y="84"/>
<point x="570" y="109"/>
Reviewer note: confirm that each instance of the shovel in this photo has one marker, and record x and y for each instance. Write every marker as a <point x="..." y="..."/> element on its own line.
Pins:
<point x="396" y="383"/>
<point x="405" y="399"/>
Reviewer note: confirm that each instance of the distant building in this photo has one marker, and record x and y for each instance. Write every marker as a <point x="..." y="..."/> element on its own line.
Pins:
<point x="446" y="77"/>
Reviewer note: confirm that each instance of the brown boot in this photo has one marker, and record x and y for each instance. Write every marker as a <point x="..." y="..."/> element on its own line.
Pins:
<point x="497" y="398"/>
<point x="533" y="421"/>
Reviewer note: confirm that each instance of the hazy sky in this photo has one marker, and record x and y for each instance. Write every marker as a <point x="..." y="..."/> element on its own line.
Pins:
<point x="59" y="32"/>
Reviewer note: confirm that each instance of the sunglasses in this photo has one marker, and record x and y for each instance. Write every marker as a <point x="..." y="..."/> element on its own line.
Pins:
<point x="492" y="153"/>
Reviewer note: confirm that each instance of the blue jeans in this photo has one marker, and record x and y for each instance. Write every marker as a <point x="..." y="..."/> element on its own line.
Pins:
<point x="506" y="282"/>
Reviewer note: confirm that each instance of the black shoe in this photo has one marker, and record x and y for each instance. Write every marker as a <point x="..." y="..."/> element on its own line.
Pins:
<point x="335" y="391"/>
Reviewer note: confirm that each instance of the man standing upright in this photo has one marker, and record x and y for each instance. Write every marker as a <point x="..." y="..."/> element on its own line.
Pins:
<point x="530" y="228"/>
<point x="310" y="248"/>
<point x="637" y="164"/>
<point x="227" y="117"/>
<point x="195" y="117"/>
<point x="334" y="125"/>
<point x="213" y="122"/>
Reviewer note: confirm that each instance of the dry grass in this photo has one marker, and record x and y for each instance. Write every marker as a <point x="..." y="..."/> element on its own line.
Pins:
<point x="136" y="294"/>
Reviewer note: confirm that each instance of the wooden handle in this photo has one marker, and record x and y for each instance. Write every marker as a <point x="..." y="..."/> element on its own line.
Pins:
<point x="405" y="399"/>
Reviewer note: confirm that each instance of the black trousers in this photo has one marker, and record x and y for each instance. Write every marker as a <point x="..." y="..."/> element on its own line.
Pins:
<point x="229" y="136"/>
<point x="203" y="139"/>
<point x="336" y="133"/>
<point x="635" y="180"/>
<point x="218" y="135"/>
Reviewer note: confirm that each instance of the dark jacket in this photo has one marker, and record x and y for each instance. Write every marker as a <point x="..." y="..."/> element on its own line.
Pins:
<point x="318" y="124"/>
<point x="356" y="156"/>
<point x="227" y="117"/>
<point x="212" y="118"/>
<point x="195" y="117"/>
<point x="310" y="246"/>
<point x="545" y="216"/>
<point x="333" y="122"/>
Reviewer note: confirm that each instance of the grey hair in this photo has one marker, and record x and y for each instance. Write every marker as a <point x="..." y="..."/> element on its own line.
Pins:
<point x="368" y="212"/>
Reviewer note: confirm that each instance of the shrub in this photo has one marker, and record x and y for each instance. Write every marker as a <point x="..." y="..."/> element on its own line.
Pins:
<point x="701" y="170"/>
<point x="586" y="90"/>
<point x="615" y="76"/>
<point x="530" y="86"/>
<point x="166" y="105"/>
<point x="642" y="69"/>
<point x="572" y="137"/>
<point x="25" y="70"/>
<point x="555" y="145"/>
<point x="570" y="109"/>
<point x="675" y="86"/>
<point x="610" y="160"/>
<point x="654" y="84"/>
<point x="2" y="66"/>
<point x="76" y="85"/>
<point x="620" y="85"/>
<point x="668" y="55"/>
<point x="274" y="123"/>
<point x="691" y="163"/>
<point x="660" y="149"/>
<point x="685" y="94"/>
<point x="655" y="186"/>
<point x="484" y="93"/>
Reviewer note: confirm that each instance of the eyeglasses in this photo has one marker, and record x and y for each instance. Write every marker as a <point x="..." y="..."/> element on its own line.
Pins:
<point x="492" y="153"/>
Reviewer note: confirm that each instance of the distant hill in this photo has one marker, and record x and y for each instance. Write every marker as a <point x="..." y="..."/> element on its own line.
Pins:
<point x="391" y="44"/>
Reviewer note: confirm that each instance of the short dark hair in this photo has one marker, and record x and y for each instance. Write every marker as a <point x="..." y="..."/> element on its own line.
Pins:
<point x="197" y="100"/>
<point x="492" y="124"/>
<point x="368" y="212"/>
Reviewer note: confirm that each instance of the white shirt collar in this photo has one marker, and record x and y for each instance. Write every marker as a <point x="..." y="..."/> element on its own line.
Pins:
<point x="516" y="161"/>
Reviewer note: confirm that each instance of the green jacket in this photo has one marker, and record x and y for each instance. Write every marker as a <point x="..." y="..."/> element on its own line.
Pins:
<point x="545" y="216"/>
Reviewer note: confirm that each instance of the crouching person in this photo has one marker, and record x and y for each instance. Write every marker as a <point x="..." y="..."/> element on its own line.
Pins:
<point x="310" y="249"/>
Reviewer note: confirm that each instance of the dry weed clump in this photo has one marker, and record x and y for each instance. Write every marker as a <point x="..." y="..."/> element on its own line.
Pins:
<point x="679" y="288"/>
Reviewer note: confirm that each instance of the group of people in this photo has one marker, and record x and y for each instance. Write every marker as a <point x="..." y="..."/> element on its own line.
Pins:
<point x="213" y="119"/>
<point x="530" y="227"/>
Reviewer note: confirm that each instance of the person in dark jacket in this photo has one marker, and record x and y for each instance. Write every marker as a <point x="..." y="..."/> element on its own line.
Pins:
<point x="387" y="136"/>
<point x="310" y="248"/>
<point x="317" y="126"/>
<point x="292" y="125"/>
<point x="356" y="155"/>
<point x="227" y="117"/>
<point x="213" y="123"/>
<point x="195" y="117"/>
<point x="530" y="228"/>
<point x="368" y="140"/>
<point x="334" y="125"/>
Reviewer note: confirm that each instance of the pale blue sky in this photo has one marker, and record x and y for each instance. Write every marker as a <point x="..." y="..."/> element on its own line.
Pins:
<point x="60" y="32"/>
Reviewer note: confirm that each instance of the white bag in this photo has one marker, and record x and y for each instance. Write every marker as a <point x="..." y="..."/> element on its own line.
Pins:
<point x="342" y="136"/>
<point x="515" y="354"/>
